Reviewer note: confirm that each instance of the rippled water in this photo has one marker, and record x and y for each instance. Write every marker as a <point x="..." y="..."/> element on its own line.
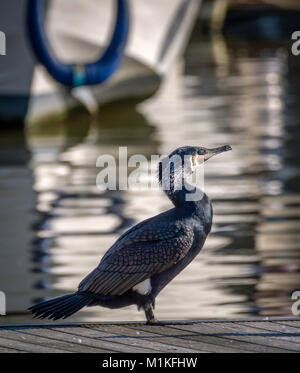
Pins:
<point x="56" y="224"/>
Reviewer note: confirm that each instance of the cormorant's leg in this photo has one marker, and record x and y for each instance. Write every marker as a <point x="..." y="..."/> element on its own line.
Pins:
<point x="149" y="314"/>
<point x="147" y="303"/>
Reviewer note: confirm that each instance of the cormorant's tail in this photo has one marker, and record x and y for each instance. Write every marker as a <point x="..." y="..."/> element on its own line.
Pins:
<point x="61" y="307"/>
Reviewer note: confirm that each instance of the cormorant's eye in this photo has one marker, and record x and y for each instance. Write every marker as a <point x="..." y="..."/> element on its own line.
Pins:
<point x="200" y="152"/>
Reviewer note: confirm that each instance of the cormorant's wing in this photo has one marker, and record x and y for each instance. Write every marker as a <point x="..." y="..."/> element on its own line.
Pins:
<point x="140" y="253"/>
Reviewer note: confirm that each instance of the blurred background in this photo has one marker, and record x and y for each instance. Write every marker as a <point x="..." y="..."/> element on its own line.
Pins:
<point x="188" y="72"/>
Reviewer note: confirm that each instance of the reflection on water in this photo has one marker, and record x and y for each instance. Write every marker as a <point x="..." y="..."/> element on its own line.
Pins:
<point x="57" y="224"/>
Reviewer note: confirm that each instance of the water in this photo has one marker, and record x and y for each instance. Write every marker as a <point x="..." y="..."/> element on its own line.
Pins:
<point x="56" y="224"/>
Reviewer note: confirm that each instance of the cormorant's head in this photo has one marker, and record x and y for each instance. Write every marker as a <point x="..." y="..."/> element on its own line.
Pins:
<point x="182" y="162"/>
<point x="192" y="156"/>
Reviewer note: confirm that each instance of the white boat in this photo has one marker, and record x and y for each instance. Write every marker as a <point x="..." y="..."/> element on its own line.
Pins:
<point x="78" y="31"/>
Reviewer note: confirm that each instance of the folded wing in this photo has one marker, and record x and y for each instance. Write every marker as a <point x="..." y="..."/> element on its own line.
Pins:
<point x="139" y="254"/>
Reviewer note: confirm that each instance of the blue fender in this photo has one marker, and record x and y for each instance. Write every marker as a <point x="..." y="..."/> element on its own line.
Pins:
<point x="73" y="75"/>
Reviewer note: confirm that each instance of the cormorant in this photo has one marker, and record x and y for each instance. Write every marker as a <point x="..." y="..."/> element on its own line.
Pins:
<point x="149" y="255"/>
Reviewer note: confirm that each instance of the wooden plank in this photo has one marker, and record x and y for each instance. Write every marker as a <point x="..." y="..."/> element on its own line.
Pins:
<point x="280" y="330"/>
<point x="10" y="350"/>
<point x="26" y="346"/>
<point x="117" y="342"/>
<point x="100" y="338"/>
<point x="275" y="332"/>
<point x="145" y="338"/>
<point x="40" y="339"/>
<point x="214" y="343"/>
<point x="262" y="333"/>
<point x="291" y="324"/>
<point x="81" y="339"/>
<point x="122" y="333"/>
<point x="212" y="334"/>
<point x="275" y="335"/>
<point x="180" y="338"/>
<point x="70" y="341"/>
<point x="246" y="333"/>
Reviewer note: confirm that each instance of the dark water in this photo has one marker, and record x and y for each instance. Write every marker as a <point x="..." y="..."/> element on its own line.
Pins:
<point x="56" y="224"/>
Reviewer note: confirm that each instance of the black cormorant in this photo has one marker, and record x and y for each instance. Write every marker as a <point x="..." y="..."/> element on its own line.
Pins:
<point x="150" y="254"/>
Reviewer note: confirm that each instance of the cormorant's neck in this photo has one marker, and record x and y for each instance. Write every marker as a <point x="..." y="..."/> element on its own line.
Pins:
<point x="178" y="190"/>
<point x="188" y="195"/>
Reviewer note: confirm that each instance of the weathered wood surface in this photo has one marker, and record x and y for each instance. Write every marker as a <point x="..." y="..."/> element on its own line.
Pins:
<point x="253" y="335"/>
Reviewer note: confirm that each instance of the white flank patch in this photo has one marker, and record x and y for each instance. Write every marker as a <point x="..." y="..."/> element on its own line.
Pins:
<point x="143" y="287"/>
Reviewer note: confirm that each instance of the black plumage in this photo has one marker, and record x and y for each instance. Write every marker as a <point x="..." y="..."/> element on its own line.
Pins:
<point x="150" y="254"/>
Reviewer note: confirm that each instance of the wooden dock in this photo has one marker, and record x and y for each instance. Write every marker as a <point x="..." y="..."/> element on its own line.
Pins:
<point x="251" y="335"/>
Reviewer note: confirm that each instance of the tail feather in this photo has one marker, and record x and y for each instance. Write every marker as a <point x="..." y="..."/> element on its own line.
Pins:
<point x="61" y="307"/>
<point x="52" y="304"/>
<point x="47" y="311"/>
<point x="66" y="312"/>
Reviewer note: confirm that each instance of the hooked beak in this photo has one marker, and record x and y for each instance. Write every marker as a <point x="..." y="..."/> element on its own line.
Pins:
<point x="215" y="151"/>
